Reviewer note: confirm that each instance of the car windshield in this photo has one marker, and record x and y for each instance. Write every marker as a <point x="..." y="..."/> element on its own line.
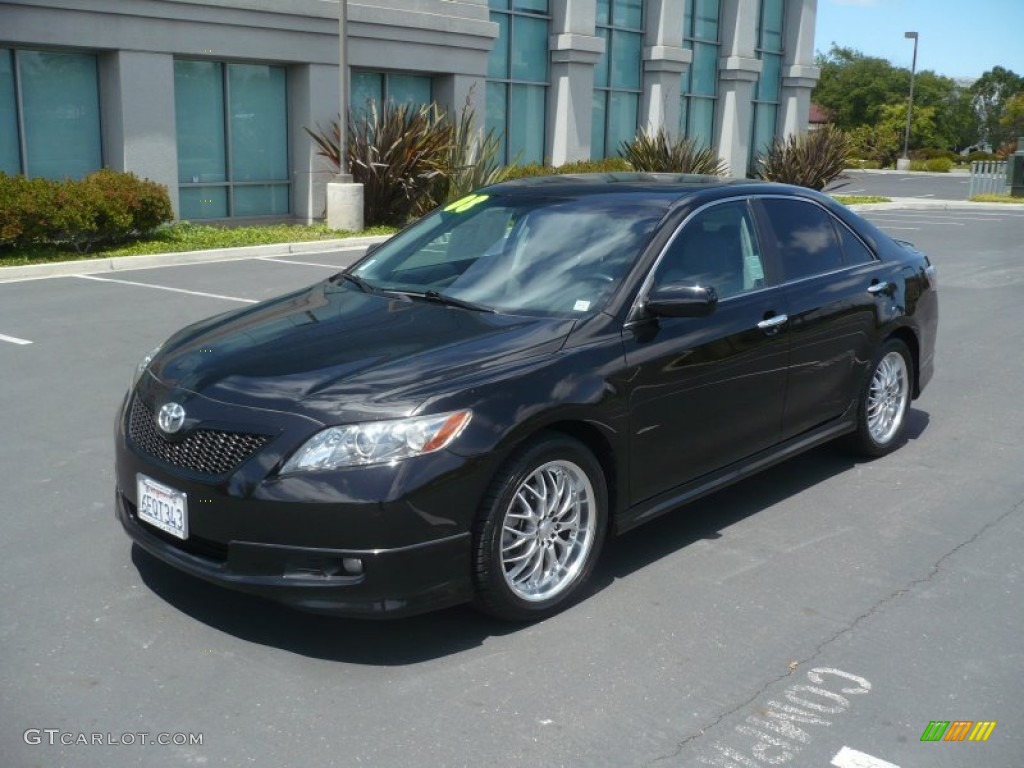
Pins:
<point x="516" y="254"/>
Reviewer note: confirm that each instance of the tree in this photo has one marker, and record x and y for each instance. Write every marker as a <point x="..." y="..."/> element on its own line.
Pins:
<point x="1012" y="120"/>
<point x="992" y="92"/>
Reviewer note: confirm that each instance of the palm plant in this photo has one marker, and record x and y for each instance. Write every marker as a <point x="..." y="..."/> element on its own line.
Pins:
<point x="660" y="153"/>
<point x="811" y="159"/>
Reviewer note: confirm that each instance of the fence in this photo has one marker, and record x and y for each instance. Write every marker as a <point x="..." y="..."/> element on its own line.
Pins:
<point x="988" y="177"/>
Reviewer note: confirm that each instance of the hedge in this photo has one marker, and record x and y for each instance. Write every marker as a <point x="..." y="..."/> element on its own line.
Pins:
<point x="104" y="207"/>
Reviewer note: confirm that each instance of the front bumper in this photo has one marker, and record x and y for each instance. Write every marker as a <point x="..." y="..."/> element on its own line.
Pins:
<point x="372" y="541"/>
<point x="390" y="583"/>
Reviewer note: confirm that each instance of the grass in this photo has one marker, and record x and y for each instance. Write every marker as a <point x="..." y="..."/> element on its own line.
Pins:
<point x="857" y="199"/>
<point x="997" y="199"/>
<point x="184" y="236"/>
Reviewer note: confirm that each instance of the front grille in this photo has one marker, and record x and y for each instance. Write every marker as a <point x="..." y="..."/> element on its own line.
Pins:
<point x="207" y="451"/>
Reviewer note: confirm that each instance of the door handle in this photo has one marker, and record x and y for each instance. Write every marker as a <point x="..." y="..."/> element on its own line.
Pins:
<point x="879" y="288"/>
<point x="772" y="325"/>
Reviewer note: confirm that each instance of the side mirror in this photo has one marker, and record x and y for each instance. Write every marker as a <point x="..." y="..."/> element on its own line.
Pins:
<point x="678" y="300"/>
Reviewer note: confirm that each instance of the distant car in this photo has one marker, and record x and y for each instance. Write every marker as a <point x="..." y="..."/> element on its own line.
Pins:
<point x="466" y="413"/>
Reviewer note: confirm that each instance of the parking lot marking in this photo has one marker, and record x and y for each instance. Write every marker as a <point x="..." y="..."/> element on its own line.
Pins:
<point x="851" y="758"/>
<point x="14" y="339"/>
<point x="300" y="263"/>
<point x="166" y="288"/>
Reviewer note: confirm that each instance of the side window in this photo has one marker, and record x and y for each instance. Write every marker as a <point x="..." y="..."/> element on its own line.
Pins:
<point x="804" y="236"/>
<point x="854" y="251"/>
<point x="717" y="247"/>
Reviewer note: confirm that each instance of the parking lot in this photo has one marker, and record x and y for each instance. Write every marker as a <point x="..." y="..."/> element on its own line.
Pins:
<point x="820" y="614"/>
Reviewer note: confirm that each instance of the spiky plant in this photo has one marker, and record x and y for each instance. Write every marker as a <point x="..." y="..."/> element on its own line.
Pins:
<point x="660" y="153"/>
<point x="472" y="161"/>
<point x="812" y="159"/>
<point x="398" y="152"/>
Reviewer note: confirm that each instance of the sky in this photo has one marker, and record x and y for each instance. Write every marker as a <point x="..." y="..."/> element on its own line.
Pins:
<point x="957" y="38"/>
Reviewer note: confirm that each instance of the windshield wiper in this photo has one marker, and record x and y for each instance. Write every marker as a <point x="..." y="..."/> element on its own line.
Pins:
<point x="449" y="301"/>
<point x="356" y="280"/>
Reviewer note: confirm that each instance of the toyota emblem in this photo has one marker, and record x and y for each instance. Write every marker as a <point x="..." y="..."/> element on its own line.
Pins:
<point x="170" y="418"/>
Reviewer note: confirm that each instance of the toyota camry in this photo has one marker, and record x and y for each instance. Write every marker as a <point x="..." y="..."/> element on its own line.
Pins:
<point x="469" y="411"/>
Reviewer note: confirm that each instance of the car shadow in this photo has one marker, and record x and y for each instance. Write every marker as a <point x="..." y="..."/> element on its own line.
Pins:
<point x="422" y="638"/>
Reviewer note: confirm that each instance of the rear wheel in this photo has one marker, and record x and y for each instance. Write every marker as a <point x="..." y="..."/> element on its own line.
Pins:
<point x="540" y="530"/>
<point x="885" y="401"/>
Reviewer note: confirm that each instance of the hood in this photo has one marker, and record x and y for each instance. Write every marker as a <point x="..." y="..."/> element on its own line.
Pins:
<point x="337" y="354"/>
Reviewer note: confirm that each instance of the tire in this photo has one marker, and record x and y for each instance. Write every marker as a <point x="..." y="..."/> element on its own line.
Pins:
<point x="540" y="530"/>
<point x="884" y="401"/>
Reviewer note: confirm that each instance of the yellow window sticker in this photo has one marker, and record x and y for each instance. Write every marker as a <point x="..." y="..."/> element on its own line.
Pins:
<point x="464" y="204"/>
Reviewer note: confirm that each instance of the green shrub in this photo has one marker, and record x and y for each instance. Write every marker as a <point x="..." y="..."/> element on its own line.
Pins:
<point x="104" y="207"/>
<point x="938" y="165"/>
<point x="660" y="153"/>
<point x="608" y="165"/>
<point x="930" y="153"/>
<point x="978" y="156"/>
<point x="808" y="160"/>
<point x="472" y="161"/>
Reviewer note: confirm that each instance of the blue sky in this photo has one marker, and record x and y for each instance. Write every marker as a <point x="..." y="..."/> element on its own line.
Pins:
<point x="958" y="38"/>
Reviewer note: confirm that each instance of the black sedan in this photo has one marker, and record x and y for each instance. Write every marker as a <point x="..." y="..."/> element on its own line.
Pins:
<point x="468" y="412"/>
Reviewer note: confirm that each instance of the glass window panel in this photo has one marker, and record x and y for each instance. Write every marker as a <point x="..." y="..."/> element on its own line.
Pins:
<point x="367" y="88"/>
<point x="702" y="121"/>
<point x="625" y="59"/>
<point x="526" y="123"/>
<point x="261" y="200"/>
<point x="259" y="122"/>
<point x="497" y="94"/>
<point x="597" y="125"/>
<point x="764" y="126"/>
<point x="61" y="113"/>
<point x="704" y="80"/>
<point x="771" y="25"/>
<point x="409" y="89"/>
<point x="199" y="119"/>
<point x="497" y="60"/>
<point x="804" y="237"/>
<point x="501" y="5"/>
<point x="705" y="22"/>
<point x="529" y="6"/>
<point x="768" y="82"/>
<point x="530" y="55"/>
<point x="627" y="13"/>
<point x="603" y="12"/>
<point x="854" y="251"/>
<point x="622" y="120"/>
<point x="684" y="107"/>
<point x="203" y="202"/>
<point x="10" y="152"/>
<point x="601" y="68"/>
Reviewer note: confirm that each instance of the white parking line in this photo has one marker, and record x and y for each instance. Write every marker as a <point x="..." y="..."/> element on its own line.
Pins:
<point x="14" y="339"/>
<point x="851" y="758"/>
<point x="301" y="263"/>
<point x="165" y="288"/>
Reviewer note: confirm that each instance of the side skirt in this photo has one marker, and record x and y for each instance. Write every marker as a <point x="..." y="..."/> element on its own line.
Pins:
<point x="733" y="473"/>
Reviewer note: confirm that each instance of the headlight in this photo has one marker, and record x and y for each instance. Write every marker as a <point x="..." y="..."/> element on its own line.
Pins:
<point x="377" y="442"/>
<point x="143" y="364"/>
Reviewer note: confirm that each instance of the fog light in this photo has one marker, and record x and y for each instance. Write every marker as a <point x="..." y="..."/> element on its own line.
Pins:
<point x="353" y="565"/>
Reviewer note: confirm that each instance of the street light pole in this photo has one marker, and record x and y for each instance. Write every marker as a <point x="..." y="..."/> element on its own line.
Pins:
<point x="344" y="198"/>
<point x="343" y="89"/>
<point x="905" y="160"/>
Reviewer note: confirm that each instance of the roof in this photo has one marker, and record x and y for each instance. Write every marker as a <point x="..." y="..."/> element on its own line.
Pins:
<point x="671" y="185"/>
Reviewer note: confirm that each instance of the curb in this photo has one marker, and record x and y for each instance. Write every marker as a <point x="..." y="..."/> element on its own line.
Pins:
<point x="126" y="263"/>
<point x="917" y="204"/>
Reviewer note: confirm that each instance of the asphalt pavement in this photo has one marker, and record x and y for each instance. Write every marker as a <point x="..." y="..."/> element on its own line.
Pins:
<point x="820" y="614"/>
<point x="896" y="184"/>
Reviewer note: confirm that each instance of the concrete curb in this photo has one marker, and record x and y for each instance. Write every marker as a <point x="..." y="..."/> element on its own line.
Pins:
<point x="126" y="263"/>
<point x="917" y="204"/>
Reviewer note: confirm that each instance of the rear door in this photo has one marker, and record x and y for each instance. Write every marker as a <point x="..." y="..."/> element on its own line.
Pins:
<point x="707" y="391"/>
<point x="833" y="286"/>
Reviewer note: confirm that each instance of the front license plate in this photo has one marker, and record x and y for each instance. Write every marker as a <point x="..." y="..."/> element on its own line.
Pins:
<point x="162" y="507"/>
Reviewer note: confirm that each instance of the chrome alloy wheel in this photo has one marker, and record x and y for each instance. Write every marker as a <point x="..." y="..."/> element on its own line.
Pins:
<point x="887" y="397"/>
<point x="548" y="531"/>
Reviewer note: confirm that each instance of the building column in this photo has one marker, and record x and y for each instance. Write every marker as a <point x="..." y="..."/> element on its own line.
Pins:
<point x="312" y="103"/>
<point x="738" y="70"/>
<point x="799" y="75"/>
<point x="453" y="92"/>
<point x="665" y="60"/>
<point x="137" y="106"/>
<point x="574" y="52"/>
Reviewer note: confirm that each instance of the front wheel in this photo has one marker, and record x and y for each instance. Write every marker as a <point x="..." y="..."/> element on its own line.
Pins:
<point x="884" y="401"/>
<point x="540" y="530"/>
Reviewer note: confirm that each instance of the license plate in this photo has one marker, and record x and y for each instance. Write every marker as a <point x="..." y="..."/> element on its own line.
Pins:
<point x="162" y="507"/>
